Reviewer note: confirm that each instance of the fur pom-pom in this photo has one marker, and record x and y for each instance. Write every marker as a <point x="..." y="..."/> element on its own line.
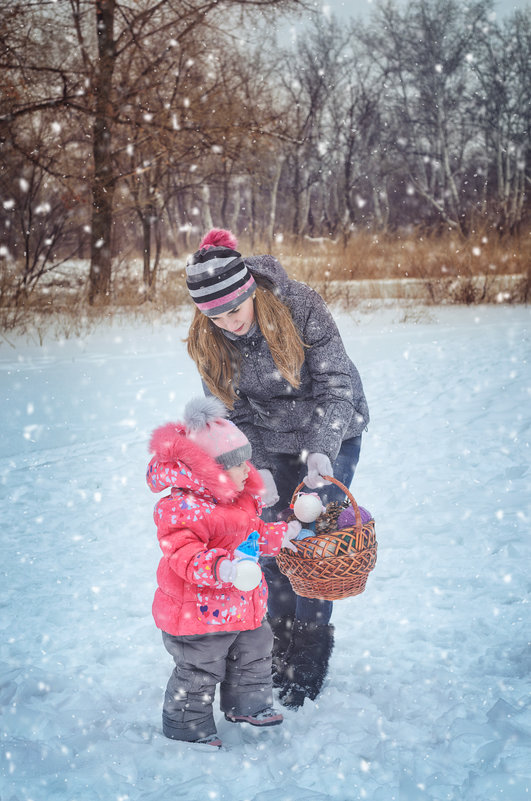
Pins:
<point x="164" y="438"/>
<point x="219" y="237"/>
<point x="200" y="411"/>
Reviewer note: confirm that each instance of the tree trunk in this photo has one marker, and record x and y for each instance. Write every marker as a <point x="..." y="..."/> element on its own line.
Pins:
<point x="147" y="217"/>
<point x="236" y="208"/>
<point x="223" y="212"/>
<point x="103" y="182"/>
<point x="252" y="208"/>
<point x="273" y="207"/>
<point x="381" y="207"/>
<point x="205" y="208"/>
<point x="158" y="251"/>
<point x="349" y="215"/>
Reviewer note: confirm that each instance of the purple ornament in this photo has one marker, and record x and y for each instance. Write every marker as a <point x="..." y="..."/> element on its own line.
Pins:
<point x="348" y="518"/>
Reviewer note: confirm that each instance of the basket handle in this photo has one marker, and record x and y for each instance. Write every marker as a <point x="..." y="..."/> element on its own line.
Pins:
<point x="355" y="506"/>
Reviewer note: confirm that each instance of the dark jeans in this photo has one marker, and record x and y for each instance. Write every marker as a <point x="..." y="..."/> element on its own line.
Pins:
<point x="288" y="472"/>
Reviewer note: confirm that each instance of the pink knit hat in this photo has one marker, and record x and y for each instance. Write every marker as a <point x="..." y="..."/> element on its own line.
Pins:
<point x="206" y="425"/>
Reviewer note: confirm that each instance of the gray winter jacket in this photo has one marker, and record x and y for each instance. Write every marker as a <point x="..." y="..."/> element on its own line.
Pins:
<point x="329" y="405"/>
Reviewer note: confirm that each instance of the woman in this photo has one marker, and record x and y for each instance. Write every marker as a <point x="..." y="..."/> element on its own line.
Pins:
<point x="268" y="347"/>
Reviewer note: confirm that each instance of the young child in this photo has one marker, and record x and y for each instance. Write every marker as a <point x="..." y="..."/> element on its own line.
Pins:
<point x="215" y="632"/>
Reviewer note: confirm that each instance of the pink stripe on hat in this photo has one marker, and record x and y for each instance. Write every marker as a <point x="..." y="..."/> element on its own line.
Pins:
<point x="229" y="298"/>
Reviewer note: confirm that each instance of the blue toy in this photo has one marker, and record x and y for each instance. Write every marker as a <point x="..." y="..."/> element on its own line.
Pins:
<point x="249" y="548"/>
<point x="308" y="531"/>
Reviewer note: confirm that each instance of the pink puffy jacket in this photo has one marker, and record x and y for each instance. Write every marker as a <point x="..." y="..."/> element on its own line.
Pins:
<point x="201" y="522"/>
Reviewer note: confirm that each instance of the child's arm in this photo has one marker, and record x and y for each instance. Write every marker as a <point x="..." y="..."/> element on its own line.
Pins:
<point x="206" y="565"/>
<point x="243" y="571"/>
<point x="190" y="559"/>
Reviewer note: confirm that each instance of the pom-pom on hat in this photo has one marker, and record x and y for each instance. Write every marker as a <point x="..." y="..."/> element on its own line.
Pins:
<point x="217" y="277"/>
<point x="204" y="419"/>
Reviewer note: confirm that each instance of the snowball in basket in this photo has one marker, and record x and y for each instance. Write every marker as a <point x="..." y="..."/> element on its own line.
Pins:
<point x="308" y="507"/>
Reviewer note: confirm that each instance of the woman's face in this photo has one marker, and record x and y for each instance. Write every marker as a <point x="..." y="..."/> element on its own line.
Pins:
<point x="239" y="475"/>
<point x="237" y="321"/>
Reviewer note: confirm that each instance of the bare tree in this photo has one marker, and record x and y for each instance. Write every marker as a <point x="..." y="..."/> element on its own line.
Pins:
<point x="360" y="140"/>
<point x="308" y="77"/>
<point x="98" y="37"/>
<point x="502" y="65"/>
<point x="142" y="121"/>
<point x="424" y="53"/>
<point x="37" y="212"/>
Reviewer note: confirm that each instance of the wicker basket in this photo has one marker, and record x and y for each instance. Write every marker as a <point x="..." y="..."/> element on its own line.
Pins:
<point x="334" y="565"/>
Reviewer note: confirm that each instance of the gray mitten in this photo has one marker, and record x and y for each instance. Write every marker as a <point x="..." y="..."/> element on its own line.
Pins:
<point x="318" y="466"/>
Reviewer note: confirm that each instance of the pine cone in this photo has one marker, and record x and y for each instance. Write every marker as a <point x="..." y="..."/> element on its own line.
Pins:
<point x="328" y="520"/>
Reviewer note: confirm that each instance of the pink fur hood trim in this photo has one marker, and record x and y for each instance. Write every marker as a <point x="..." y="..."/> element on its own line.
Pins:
<point x="170" y="445"/>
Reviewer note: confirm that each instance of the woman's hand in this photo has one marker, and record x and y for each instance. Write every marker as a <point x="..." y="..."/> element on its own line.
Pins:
<point x="318" y="466"/>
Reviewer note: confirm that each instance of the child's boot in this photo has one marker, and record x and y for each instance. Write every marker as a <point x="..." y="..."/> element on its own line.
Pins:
<point x="211" y="739"/>
<point x="266" y="717"/>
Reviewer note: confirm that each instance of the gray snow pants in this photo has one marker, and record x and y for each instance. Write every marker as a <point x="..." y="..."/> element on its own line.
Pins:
<point x="239" y="661"/>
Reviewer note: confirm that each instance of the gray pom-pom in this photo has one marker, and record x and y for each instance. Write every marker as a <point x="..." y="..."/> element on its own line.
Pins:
<point x="200" y="411"/>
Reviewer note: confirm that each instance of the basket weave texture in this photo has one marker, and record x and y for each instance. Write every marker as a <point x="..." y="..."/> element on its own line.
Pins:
<point x="331" y="565"/>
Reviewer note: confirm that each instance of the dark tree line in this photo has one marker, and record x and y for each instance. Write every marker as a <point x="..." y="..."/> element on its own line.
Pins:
<point x="124" y="128"/>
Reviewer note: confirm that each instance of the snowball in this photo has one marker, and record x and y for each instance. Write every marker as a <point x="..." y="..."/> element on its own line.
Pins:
<point x="248" y="575"/>
<point x="307" y="507"/>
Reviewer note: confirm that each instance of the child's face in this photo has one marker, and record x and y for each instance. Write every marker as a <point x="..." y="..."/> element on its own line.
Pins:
<point x="239" y="475"/>
<point x="237" y="321"/>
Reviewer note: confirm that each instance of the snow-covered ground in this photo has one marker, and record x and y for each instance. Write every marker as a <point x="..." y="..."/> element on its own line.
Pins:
<point x="428" y="696"/>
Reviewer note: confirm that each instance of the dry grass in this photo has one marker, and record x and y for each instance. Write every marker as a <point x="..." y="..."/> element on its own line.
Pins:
<point x="61" y="307"/>
<point x="399" y="256"/>
<point x="430" y="269"/>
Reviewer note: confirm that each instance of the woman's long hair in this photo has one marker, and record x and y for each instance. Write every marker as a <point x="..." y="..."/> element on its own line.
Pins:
<point x="218" y="360"/>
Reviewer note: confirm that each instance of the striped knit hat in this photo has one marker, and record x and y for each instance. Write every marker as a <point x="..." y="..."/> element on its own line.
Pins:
<point x="216" y="275"/>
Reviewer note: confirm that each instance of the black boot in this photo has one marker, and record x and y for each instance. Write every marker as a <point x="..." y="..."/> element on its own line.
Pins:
<point x="281" y="627"/>
<point x="307" y="663"/>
